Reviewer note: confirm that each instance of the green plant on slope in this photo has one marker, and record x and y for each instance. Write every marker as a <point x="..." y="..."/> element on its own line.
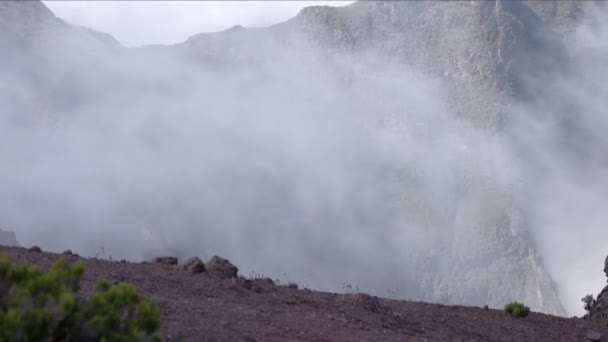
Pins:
<point x="46" y="306"/>
<point x="517" y="309"/>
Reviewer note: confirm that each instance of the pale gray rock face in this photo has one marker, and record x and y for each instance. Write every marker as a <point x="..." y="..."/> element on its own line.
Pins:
<point x="8" y="239"/>
<point x="471" y="248"/>
<point x="566" y="16"/>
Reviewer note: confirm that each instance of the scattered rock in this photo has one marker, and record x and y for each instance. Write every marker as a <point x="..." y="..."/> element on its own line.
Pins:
<point x="594" y="336"/>
<point x="166" y="260"/>
<point x="194" y="265"/>
<point x="67" y="252"/>
<point x="221" y="267"/>
<point x="35" y="249"/>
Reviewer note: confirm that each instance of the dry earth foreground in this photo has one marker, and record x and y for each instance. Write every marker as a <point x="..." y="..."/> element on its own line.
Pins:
<point x="207" y="302"/>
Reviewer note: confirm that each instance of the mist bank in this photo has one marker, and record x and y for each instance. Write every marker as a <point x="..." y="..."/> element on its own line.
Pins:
<point x="559" y="140"/>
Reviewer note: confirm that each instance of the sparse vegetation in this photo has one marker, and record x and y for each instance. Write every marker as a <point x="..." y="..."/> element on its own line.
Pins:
<point x="517" y="309"/>
<point x="46" y="306"/>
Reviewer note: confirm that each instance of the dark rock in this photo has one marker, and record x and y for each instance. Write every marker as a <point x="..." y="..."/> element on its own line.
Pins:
<point x="594" y="336"/>
<point x="293" y="286"/>
<point x="485" y="307"/>
<point x="221" y="267"/>
<point x="247" y="284"/>
<point x="166" y="260"/>
<point x="598" y="310"/>
<point x="67" y="252"/>
<point x="369" y="303"/>
<point x="194" y="265"/>
<point x="35" y="249"/>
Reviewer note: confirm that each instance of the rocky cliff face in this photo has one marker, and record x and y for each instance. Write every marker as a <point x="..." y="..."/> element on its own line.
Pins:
<point x="472" y="246"/>
<point x="486" y="54"/>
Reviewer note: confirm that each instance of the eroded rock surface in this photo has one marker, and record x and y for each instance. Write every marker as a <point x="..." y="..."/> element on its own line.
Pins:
<point x="598" y="311"/>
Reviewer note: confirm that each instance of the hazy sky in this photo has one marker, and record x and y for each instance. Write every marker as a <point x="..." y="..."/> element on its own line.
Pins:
<point x="169" y="22"/>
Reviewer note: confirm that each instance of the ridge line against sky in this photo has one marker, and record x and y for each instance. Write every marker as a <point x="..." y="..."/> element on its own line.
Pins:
<point x="135" y="23"/>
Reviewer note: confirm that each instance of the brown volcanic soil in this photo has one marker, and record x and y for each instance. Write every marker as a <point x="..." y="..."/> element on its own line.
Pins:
<point x="204" y="307"/>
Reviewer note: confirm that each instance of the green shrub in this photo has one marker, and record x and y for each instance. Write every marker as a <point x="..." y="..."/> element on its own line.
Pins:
<point x="517" y="309"/>
<point x="37" y="306"/>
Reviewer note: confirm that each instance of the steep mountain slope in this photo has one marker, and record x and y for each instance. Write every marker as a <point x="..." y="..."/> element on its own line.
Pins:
<point x="43" y="60"/>
<point x="486" y="54"/>
<point x="455" y="232"/>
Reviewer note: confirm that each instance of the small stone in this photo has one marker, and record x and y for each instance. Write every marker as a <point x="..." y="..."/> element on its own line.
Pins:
<point x="166" y="260"/>
<point x="67" y="252"/>
<point x="35" y="249"/>
<point x="247" y="284"/>
<point x="293" y="286"/>
<point x="485" y="307"/>
<point x="594" y="336"/>
<point x="221" y="267"/>
<point x="194" y="265"/>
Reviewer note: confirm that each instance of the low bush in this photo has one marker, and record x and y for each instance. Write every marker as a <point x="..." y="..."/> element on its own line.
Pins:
<point x="46" y="306"/>
<point x="517" y="309"/>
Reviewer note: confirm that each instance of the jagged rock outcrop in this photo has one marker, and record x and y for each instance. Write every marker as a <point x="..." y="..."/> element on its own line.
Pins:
<point x="193" y="265"/>
<point x="221" y="267"/>
<point x="598" y="310"/>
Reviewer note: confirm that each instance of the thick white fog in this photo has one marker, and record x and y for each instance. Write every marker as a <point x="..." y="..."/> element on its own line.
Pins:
<point x="563" y="153"/>
<point x="316" y="172"/>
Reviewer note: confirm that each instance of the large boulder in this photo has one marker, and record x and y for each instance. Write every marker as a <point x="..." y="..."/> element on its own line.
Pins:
<point x="221" y="267"/>
<point x="193" y="265"/>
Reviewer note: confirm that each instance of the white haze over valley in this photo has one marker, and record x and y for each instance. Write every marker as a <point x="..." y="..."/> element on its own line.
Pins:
<point x="290" y="167"/>
<point x="171" y="22"/>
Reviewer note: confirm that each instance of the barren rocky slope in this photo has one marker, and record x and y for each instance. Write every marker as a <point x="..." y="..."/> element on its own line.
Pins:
<point x="206" y="307"/>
